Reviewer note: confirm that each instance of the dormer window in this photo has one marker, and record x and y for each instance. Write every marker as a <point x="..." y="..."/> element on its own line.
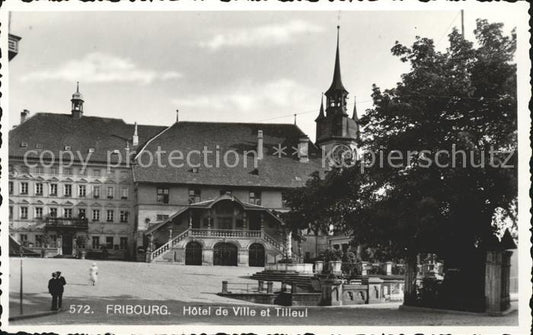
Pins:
<point x="68" y="148"/>
<point x="91" y="150"/>
<point x="23" y="144"/>
<point x="194" y="170"/>
<point x="38" y="146"/>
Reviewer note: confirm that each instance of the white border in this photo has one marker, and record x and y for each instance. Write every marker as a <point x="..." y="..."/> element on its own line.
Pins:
<point x="524" y="122"/>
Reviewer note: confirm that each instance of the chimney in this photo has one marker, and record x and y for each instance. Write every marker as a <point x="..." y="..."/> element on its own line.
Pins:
<point x="24" y="115"/>
<point x="177" y="115"/>
<point x="303" y="149"/>
<point x="259" y="144"/>
<point x="135" y="140"/>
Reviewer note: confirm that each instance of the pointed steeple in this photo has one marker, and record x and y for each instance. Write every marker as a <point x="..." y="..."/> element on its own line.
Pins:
<point x="336" y="84"/>
<point x="356" y="119"/>
<point x="354" y="116"/>
<point x="321" y="114"/>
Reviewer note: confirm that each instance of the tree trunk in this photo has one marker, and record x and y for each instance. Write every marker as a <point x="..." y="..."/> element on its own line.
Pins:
<point x="409" y="295"/>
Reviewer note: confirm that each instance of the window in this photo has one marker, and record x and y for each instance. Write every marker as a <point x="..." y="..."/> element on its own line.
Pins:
<point x="39" y="189"/>
<point x="124" y="193"/>
<point x="96" y="242"/>
<point x="10" y="187"/>
<point x="38" y="212"/>
<point x="109" y="242"/>
<point x="68" y="190"/>
<point x="53" y="212"/>
<point x="67" y="213"/>
<point x="228" y="192"/>
<point x="110" y="192"/>
<point x="255" y="198"/>
<point x="123" y="243"/>
<point x="67" y="171"/>
<point x="162" y="195"/>
<point x="23" y="238"/>
<point x="124" y="216"/>
<point x="96" y="192"/>
<point x="194" y="195"/>
<point x="82" y="190"/>
<point x="23" y="188"/>
<point x="81" y="213"/>
<point x="83" y="171"/>
<point x="96" y="172"/>
<point x="39" y="170"/>
<point x="110" y="214"/>
<point x="10" y="212"/>
<point x="53" y="170"/>
<point x="23" y="212"/>
<point x="53" y="189"/>
<point x="161" y="217"/>
<point x="96" y="215"/>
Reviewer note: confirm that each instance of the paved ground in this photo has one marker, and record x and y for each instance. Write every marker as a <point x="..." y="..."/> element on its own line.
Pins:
<point x="171" y="294"/>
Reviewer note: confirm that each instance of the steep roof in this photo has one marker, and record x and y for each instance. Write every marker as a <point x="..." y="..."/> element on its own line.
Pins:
<point x="336" y="84"/>
<point x="54" y="132"/>
<point x="208" y="204"/>
<point x="272" y="171"/>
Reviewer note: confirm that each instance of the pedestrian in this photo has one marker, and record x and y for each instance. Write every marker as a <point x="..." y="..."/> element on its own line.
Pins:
<point x="61" y="287"/>
<point x="93" y="274"/>
<point x="53" y="289"/>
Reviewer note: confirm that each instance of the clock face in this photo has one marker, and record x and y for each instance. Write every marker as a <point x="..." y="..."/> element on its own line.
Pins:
<point x="342" y="155"/>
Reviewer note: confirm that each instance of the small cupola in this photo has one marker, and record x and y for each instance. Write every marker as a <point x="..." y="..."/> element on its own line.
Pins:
<point x="77" y="103"/>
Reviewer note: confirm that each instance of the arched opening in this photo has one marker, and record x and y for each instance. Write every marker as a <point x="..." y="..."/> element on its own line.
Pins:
<point x="256" y="255"/>
<point x="225" y="254"/>
<point x="193" y="253"/>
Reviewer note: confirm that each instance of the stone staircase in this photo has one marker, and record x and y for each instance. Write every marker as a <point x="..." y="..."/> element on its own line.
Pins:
<point x="158" y="253"/>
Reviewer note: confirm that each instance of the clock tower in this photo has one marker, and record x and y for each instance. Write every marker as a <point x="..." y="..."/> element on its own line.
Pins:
<point x="334" y="128"/>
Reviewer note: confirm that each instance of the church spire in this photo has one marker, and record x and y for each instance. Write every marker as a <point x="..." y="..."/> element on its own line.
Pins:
<point x="356" y="119"/>
<point x="336" y="94"/>
<point x="354" y="116"/>
<point x="336" y="84"/>
<point x="321" y="113"/>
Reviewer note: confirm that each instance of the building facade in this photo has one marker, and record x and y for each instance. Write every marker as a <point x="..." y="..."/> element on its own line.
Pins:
<point x="205" y="193"/>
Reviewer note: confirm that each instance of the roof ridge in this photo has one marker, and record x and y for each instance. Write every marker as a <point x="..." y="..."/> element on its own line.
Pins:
<point x="150" y="140"/>
<point x="237" y="122"/>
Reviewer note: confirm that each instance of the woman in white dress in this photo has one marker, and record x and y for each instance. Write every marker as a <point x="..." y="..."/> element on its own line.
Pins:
<point x="93" y="274"/>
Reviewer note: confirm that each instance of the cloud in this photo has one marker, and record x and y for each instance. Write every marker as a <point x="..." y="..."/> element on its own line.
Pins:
<point x="265" y="35"/>
<point x="268" y="99"/>
<point x="99" y="67"/>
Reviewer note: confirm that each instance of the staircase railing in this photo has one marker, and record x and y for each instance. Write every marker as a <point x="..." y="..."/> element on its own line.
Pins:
<point x="273" y="242"/>
<point x="215" y="233"/>
<point x="169" y="245"/>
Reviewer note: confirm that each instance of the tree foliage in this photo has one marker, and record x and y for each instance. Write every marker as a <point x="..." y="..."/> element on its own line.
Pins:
<point x="459" y="100"/>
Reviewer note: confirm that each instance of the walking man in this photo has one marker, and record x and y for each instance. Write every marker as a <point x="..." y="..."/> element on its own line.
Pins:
<point x="53" y="289"/>
<point x="61" y="287"/>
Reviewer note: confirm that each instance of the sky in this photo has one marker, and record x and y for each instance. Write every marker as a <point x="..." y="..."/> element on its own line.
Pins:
<point x="227" y="66"/>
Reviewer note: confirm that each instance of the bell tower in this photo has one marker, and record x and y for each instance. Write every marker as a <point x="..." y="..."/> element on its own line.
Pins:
<point x="335" y="127"/>
<point x="77" y="103"/>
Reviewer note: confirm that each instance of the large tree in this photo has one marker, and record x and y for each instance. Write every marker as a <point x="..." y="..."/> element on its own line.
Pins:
<point x="460" y="102"/>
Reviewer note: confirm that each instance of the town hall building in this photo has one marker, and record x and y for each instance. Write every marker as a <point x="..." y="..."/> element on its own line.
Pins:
<point x="198" y="193"/>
